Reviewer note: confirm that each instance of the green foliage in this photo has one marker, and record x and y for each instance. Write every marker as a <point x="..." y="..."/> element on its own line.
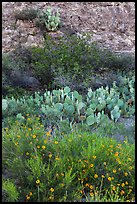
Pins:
<point x="65" y="61"/>
<point x="9" y="63"/>
<point x="73" y="59"/>
<point x="26" y="14"/>
<point x="10" y="190"/>
<point x="69" y="168"/>
<point x="11" y="91"/>
<point x="41" y="66"/>
<point x="49" y="19"/>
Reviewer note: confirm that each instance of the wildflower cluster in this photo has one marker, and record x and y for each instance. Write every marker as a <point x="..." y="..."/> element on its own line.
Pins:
<point x="74" y="164"/>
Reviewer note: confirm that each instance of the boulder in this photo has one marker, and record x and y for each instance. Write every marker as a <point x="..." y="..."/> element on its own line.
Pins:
<point x="24" y="80"/>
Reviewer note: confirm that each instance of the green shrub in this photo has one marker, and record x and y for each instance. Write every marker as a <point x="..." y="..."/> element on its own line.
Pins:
<point x="41" y="64"/>
<point x="78" y="165"/>
<point x="67" y="60"/>
<point x="72" y="58"/>
<point x="26" y="14"/>
<point x="10" y="193"/>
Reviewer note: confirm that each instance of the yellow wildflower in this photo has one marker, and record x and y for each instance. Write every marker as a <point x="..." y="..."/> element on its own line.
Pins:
<point x="109" y="178"/>
<point x="50" y="155"/>
<point x="16" y="143"/>
<point x="122" y="192"/>
<point x="30" y="193"/>
<point x="119" y="145"/>
<point x="27" y="197"/>
<point x="38" y="181"/>
<point x="48" y="133"/>
<point x="119" y="169"/>
<point x="56" y="142"/>
<point x="102" y="176"/>
<point x="116" y="154"/>
<point x="79" y="160"/>
<point x="91" y="165"/>
<point x="34" y="136"/>
<point x="114" y="171"/>
<point x="91" y="194"/>
<point x="126" y="182"/>
<point x="95" y="176"/>
<point x="43" y="147"/>
<point x="125" y="141"/>
<point x="18" y="136"/>
<point x="114" y="188"/>
<point x="94" y="157"/>
<point x="52" y="190"/>
<point x="87" y="185"/>
<point x="57" y="158"/>
<point x="38" y="147"/>
<point x="29" y="129"/>
<point x="130" y="167"/>
<point x="85" y="161"/>
<point x="119" y="162"/>
<point x="45" y="141"/>
<point x="27" y="153"/>
<point x="91" y="187"/>
<point x="122" y="184"/>
<point x="125" y="173"/>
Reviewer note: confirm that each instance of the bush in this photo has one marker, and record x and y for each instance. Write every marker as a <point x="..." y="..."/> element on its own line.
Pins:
<point x="10" y="193"/>
<point x="26" y="14"/>
<point x="71" y="57"/>
<point x="78" y="165"/>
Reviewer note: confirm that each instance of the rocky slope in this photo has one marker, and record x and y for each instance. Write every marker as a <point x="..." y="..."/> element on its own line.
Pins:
<point x="112" y="24"/>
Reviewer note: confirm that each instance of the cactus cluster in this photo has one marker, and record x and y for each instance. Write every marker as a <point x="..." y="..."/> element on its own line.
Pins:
<point x="64" y="104"/>
<point x="49" y="19"/>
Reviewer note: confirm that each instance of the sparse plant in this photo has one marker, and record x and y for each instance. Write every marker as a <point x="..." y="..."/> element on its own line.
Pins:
<point x="10" y="193"/>
<point x="26" y="14"/>
<point x="49" y="18"/>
